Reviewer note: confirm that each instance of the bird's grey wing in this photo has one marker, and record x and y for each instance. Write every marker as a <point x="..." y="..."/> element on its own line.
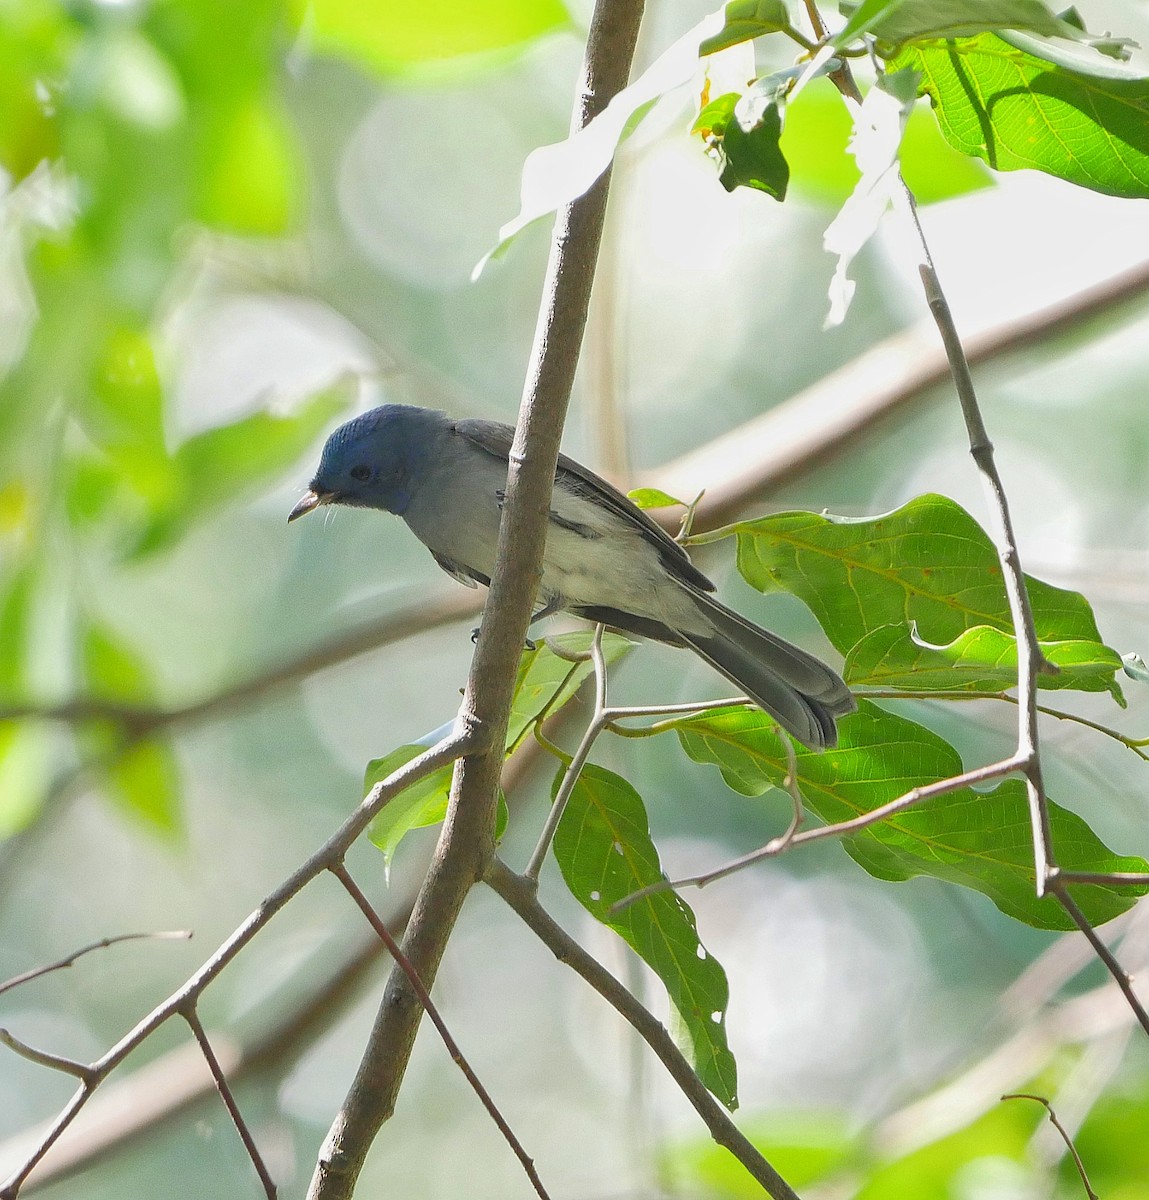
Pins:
<point x="459" y="571"/>
<point x="495" y="438"/>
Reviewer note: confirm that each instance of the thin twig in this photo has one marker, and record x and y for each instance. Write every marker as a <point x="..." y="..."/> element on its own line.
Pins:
<point x="189" y="1014"/>
<point x="62" y="963"/>
<point x="1064" y="1134"/>
<point x="1058" y="888"/>
<point x="333" y="849"/>
<point x="789" y="840"/>
<point x="339" y="870"/>
<point x="519" y="892"/>
<point x="54" y="1062"/>
<point x="574" y="769"/>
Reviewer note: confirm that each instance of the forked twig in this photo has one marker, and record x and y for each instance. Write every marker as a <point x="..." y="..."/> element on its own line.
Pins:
<point x="339" y="870"/>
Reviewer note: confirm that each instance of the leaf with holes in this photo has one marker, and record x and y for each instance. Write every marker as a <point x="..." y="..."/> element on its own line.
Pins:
<point x="604" y="850"/>
<point x="981" y="840"/>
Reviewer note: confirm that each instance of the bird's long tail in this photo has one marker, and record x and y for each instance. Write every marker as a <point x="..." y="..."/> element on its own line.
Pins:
<point x="801" y="692"/>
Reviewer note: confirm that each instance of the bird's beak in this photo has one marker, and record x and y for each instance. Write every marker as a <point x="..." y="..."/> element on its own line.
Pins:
<point x="309" y="500"/>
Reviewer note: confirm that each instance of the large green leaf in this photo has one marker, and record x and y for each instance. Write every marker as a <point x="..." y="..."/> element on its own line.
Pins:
<point x="546" y="682"/>
<point x="981" y="840"/>
<point x="998" y="101"/>
<point x="604" y="850"/>
<point x="399" y="36"/>
<point x="928" y="563"/>
<point x="981" y="660"/>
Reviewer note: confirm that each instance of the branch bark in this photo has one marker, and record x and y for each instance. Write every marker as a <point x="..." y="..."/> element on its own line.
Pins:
<point x="466" y="844"/>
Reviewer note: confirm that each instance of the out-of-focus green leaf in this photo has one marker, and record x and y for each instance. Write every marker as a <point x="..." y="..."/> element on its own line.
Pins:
<point x="928" y="562"/>
<point x="16" y="610"/>
<point x="36" y="43"/>
<point x="212" y="469"/>
<point x="746" y="19"/>
<point x="814" y="140"/>
<point x="1000" y="103"/>
<point x="802" y="1147"/>
<point x="653" y="498"/>
<point x="981" y="840"/>
<point x="1112" y="1144"/>
<point x="26" y="756"/>
<point x="144" y="781"/>
<point x="397" y="37"/>
<point x="113" y="670"/>
<point x="981" y="659"/>
<point x="1001" y="1135"/>
<point x="249" y="185"/>
<point x="604" y="850"/>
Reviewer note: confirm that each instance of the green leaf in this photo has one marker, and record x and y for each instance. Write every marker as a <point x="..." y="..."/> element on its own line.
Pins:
<point x="981" y="840"/>
<point x="746" y="19"/>
<point x="742" y="133"/>
<point x="1001" y="103"/>
<point x="928" y="562"/>
<point x="396" y="37"/>
<point x="214" y="468"/>
<point x="423" y="803"/>
<point x="936" y="1169"/>
<point x="28" y="752"/>
<point x="144" y="781"/>
<point x="981" y="660"/>
<point x="604" y="850"/>
<point x="113" y="669"/>
<point x="803" y="1148"/>
<point x="653" y="498"/>
<point x="247" y="184"/>
<point x="815" y="138"/>
<point x="546" y="682"/>
<point x="918" y="20"/>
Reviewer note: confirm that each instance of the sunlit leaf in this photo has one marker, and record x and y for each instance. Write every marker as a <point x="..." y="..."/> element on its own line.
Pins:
<point x="395" y="37"/>
<point x="604" y="850"/>
<point x="981" y="660"/>
<point x="981" y="840"/>
<point x="998" y="102"/>
<point x="746" y="19"/>
<point x="113" y="669"/>
<point x="654" y="498"/>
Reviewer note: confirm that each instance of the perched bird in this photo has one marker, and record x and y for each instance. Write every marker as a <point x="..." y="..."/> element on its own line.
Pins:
<point x="605" y="559"/>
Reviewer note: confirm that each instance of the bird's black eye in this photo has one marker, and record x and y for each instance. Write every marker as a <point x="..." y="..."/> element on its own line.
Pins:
<point x="362" y="473"/>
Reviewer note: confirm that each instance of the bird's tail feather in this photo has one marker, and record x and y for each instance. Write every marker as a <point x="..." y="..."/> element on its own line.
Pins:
<point x="800" y="691"/>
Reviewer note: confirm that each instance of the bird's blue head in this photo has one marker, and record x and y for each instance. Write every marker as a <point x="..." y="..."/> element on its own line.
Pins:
<point x="374" y="460"/>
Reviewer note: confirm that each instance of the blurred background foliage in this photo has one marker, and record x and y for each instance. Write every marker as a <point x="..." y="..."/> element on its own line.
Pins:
<point x="223" y="227"/>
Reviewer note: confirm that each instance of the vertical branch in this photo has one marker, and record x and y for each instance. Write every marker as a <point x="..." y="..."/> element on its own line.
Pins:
<point x="466" y="844"/>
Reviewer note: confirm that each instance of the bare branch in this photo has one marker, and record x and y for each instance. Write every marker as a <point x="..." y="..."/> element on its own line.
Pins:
<point x="339" y="870"/>
<point x="189" y="1014"/>
<point x="333" y="850"/>
<point x="519" y="893"/>
<point x="69" y="1066"/>
<point x="62" y="963"/>
<point x="1064" y="1134"/>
